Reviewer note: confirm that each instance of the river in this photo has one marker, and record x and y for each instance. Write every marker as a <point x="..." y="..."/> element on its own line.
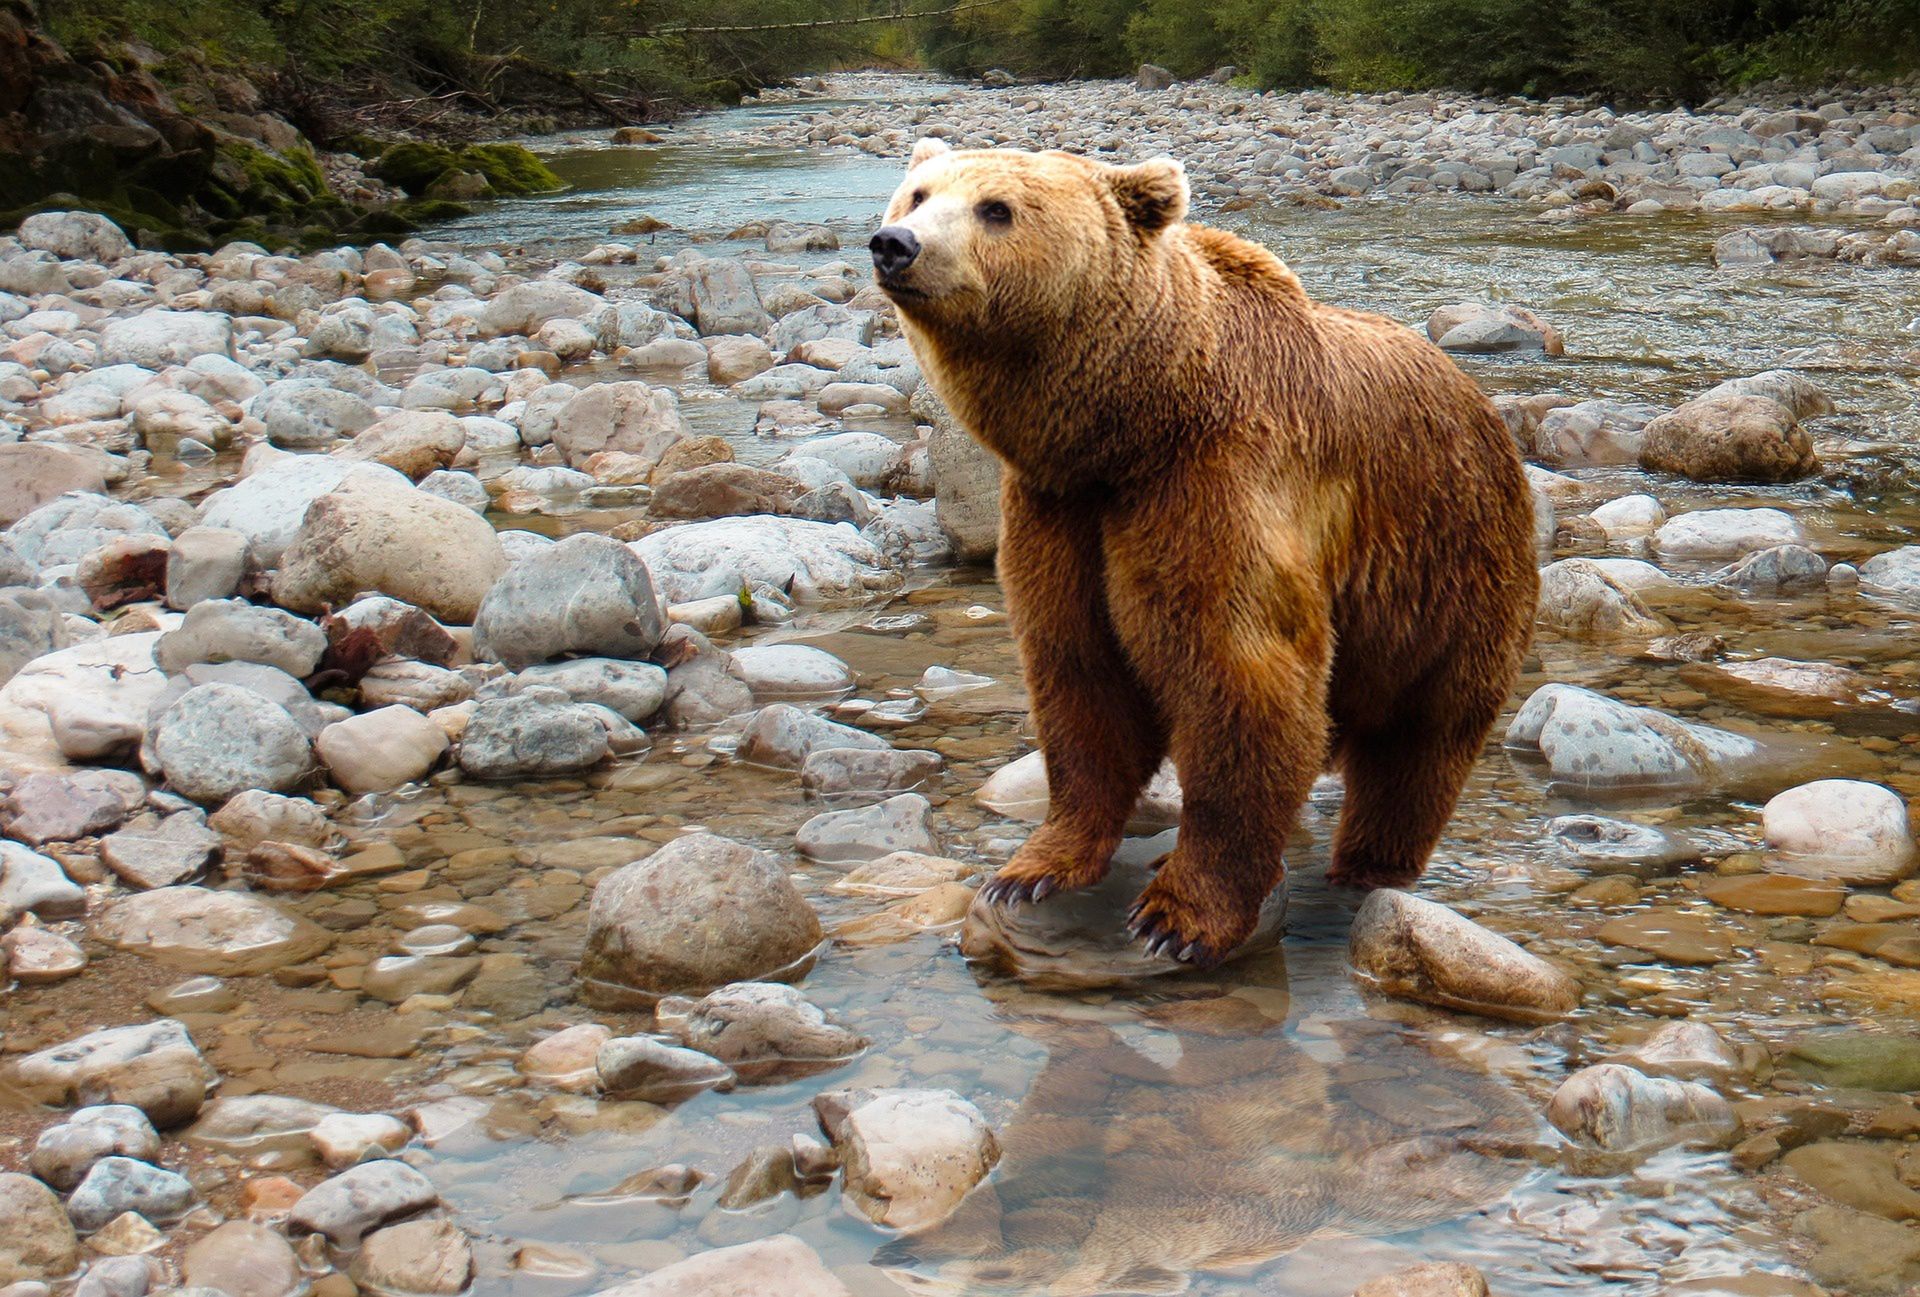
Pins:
<point x="1310" y="1134"/>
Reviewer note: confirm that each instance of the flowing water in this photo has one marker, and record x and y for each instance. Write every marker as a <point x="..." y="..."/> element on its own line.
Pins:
<point x="1271" y="1129"/>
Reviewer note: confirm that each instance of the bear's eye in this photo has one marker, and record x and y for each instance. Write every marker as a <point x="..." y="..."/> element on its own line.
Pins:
<point x="995" y="212"/>
<point x="919" y="197"/>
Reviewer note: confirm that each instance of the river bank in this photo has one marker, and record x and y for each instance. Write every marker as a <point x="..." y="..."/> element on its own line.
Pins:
<point x="424" y="657"/>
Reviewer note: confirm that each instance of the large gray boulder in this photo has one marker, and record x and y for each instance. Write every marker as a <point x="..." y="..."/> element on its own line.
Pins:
<point x="700" y="912"/>
<point x="392" y="538"/>
<point x="966" y="483"/>
<point x="217" y="740"/>
<point x="630" y="417"/>
<point x="536" y="733"/>
<point x="157" y="339"/>
<point x="268" y="505"/>
<point x="586" y="595"/>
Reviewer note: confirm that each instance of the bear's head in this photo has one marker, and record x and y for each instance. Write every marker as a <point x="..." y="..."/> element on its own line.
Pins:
<point x="1003" y="244"/>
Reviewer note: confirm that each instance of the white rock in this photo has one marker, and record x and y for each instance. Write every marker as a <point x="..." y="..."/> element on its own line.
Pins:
<point x="1620" y="1110"/>
<point x="156" y="339"/>
<point x="1726" y="533"/>
<point x="269" y="504"/>
<point x="1630" y="517"/>
<point x="1594" y="741"/>
<point x="378" y="751"/>
<point x="1842" y="829"/>
<point x="813" y="562"/>
<point x="910" y="1156"/>
<point x="776" y="671"/>
<point x="781" y="1264"/>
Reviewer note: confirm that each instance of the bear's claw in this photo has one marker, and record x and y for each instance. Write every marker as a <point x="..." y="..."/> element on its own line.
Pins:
<point x="1012" y="891"/>
<point x="1163" y="940"/>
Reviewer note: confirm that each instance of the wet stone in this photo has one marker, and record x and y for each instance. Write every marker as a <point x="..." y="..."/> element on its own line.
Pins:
<point x="909" y="1156"/>
<point x="1418" y="950"/>
<point x="35" y="956"/>
<point x="394" y="978"/>
<point x="45" y="808"/>
<point x="428" y="1258"/>
<point x="36" y="1238"/>
<point x="1439" y="1279"/>
<point x="224" y="934"/>
<point x="1854" y="1059"/>
<point x="1864" y="1176"/>
<point x="151" y="1066"/>
<point x="362" y="1198"/>
<point x="120" y="1184"/>
<point x="1618" y="1109"/>
<point x="652" y="1071"/>
<point x="1076" y="940"/>
<point x="850" y="774"/>
<point x="900" y="823"/>
<point x="1840" y="829"/>
<point x="264" y="1131"/>
<point x="565" y="1060"/>
<point x="128" y="1234"/>
<point x="1683" y="1051"/>
<point x="1677" y="936"/>
<point x="765" y="1032"/>
<point x="700" y="912"/>
<point x="63" y="1154"/>
<point x="344" y="1139"/>
<point x="155" y="852"/>
<point x="1775" y="894"/>
<point x="782" y="735"/>
<point x="901" y="873"/>
<point x="779" y="1264"/>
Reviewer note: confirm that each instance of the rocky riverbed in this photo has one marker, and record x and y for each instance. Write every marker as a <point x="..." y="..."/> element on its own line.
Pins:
<point x="499" y="744"/>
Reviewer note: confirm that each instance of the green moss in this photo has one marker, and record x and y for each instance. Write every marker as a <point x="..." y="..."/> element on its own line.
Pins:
<point x="414" y="165"/>
<point x="509" y="168"/>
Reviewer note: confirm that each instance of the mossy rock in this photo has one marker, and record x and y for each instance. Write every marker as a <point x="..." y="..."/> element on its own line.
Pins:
<point x="414" y="165"/>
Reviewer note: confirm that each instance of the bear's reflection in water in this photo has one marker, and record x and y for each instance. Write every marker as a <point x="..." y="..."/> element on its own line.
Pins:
<point x="1196" y="1134"/>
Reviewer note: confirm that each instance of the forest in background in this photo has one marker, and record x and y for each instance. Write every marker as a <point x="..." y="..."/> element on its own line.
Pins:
<point x="641" y="58"/>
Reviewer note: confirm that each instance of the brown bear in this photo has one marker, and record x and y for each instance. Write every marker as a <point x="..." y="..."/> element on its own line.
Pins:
<point x="1259" y="533"/>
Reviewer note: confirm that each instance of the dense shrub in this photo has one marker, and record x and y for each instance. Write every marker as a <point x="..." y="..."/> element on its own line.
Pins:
<point x="1628" y="49"/>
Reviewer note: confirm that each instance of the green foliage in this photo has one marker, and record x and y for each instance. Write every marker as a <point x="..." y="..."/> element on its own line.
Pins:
<point x="1627" y="49"/>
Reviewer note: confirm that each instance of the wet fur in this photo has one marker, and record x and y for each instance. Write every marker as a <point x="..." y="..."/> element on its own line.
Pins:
<point x="1266" y="535"/>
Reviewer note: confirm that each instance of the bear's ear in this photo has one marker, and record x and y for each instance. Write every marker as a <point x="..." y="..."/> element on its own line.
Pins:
<point x="1152" y="194"/>
<point x="928" y="147"/>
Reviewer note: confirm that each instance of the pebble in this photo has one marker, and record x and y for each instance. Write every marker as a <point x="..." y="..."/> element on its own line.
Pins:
<point x="1619" y="1110"/>
<point x="362" y="1198"/>
<point x="64" y="1153"/>
<point x="909" y="1156"/>
<point x="1840" y="830"/>
<point x="700" y="912"/>
<point x="765" y="1032"/>
<point x="427" y="1258"/>
<point x="120" y="1184"/>
<point x="1418" y="950"/>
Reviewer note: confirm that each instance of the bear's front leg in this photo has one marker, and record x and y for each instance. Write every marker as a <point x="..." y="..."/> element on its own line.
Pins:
<point x="1235" y="643"/>
<point x="1095" y="718"/>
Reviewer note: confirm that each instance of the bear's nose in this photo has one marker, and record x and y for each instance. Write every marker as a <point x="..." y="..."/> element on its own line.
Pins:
<point x="894" y="247"/>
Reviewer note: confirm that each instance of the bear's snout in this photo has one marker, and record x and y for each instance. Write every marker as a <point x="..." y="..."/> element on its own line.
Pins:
<point x="894" y="248"/>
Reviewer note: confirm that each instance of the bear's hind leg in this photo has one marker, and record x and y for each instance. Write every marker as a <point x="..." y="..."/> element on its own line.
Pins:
<point x="1096" y="721"/>
<point x="1402" y="781"/>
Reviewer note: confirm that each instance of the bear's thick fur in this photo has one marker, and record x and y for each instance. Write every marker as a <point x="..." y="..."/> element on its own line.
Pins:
<point x="1261" y="533"/>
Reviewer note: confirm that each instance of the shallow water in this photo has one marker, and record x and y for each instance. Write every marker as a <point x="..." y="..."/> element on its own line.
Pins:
<point x="1215" y="1135"/>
